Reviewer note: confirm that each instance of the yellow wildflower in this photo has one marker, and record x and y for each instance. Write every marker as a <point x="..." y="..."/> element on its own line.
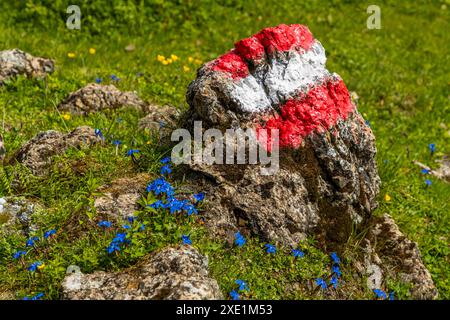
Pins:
<point x="387" y="197"/>
<point x="42" y="266"/>
<point x="71" y="55"/>
<point x="160" y="58"/>
<point x="190" y="59"/>
<point x="169" y="60"/>
<point x="66" y="116"/>
<point x="186" y="69"/>
<point x="92" y="50"/>
<point x="174" y="57"/>
<point x="198" y="61"/>
<point x="165" y="62"/>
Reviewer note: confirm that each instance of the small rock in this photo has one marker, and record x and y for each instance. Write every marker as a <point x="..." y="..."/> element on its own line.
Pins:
<point x="16" y="215"/>
<point x="96" y="97"/>
<point x="37" y="153"/>
<point x="119" y="199"/>
<point x="173" y="273"/>
<point x="388" y="249"/>
<point x="16" y="62"/>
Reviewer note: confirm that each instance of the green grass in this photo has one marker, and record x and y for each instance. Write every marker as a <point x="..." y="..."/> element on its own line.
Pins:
<point x="399" y="72"/>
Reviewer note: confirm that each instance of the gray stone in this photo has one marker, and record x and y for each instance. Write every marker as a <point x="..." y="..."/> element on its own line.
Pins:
<point x="37" y="153"/>
<point x="160" y="121"/>
<point x="16" y="62"/>
<point x="16" y="215"/>
<point x="118" y="200"/>
<point x="96" y="97"/>
<point x="179" y="273"/>
<point x="389" y="253"/>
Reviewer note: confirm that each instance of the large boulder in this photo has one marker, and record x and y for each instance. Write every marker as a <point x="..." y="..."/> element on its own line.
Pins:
<point x="37" y="153"/>
<point x="327" y="180"/>
<point x="16" y="62"/>
<point x="173" y="273"/>
<point x="96" y="97"/>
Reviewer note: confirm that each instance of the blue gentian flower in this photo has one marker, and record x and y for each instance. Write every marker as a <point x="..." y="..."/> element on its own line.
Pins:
<point x="297" y="253"/>
<point x="116" y="142"/>
<point x="425" y="171"/>
<point x="186" y="239"/>
<point x="165" y="170"/>
<point x="131" y="219"/>
<point x="33" y="267"/>
<point x="334" y="281"/>
<point x="158" y="204"/>
<point x="35" y="297"/>
<point x="126" y="226"/>
<point x="165" y="160"/>
<point x="199" y="196"/>
<point x="98" y="133"/>
<point x="234" y="295"/>
<point x="104" y="224"/>
<point x="142" y="227"/>
<point x="115" y="243"/>
<point x="270" y="248"/>
<point x="175" y="205"/>
<point x="189" y="208"/>
<point x="380" y="293"/>
<point x="49" y="233"/>
<point x="336" y="270"/>
<point x="428" y="182"/>
<point x="30" y="242"/>
<point x="18" y="254"/>
<point x="113" y="247"/>
<point x="242" y="285"/>
<point x="98" y="80"/>
<point x="132" y="152"/>
<point x="159" y="186"/>
<point x="321" y="283"/>
<point x="114" y="77"/>
<point x="432" y="147"/>
<point x="392" y="295"/>
<point x="239" y="239"/>
<point x="335" y="258"/>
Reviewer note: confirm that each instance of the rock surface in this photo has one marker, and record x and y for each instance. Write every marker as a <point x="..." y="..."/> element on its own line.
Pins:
<point x="389" y="253"/>
<point x="118" y="200"/>
<point x="16" y="215"/>
<point x="160" y="120"/>
<point x="327" y="181"/>
<point x="172" y="273"/>
<point x="2" y="149"/>
<point x="37" y="153"/>
<point x="96" y="97"/>
<point x="16" y="62"/>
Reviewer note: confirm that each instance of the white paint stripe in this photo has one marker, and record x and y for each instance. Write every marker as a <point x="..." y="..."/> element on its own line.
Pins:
<point x="281" y="80"/>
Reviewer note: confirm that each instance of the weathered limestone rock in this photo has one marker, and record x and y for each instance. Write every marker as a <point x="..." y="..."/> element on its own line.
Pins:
<point x="119" y="199"/>
<point x="37" y="153"/>
<point x="390" y="253"/>
<point x="173" y="273"/>
<point x="327" y="181"/>
<point x="16" y="215"/>
<point x="16" y="62"/>
<point x="160" y="120"/>
<point x="96" y="97"/>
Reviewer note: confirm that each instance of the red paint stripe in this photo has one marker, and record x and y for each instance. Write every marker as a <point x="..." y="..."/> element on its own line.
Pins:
<point x="269" y="40"/>
<point x="315" y="111"/>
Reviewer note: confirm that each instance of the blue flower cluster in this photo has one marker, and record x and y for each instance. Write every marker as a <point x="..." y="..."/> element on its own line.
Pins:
<point x="116" y="242"/>
<point x="35" y="297"/>
<point x="162" y="187"/>
<point x="239" y="239"/>
<point x="270" y="248"/>
<point x="336" y="273"/>
<point x="49" y="234"/>
<point x="34" y="266"/>
<point x="243" y="286"/>
<point x="381" y="295"/>
<point x="298" y="253"/>
<point x="186" y="239"/>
